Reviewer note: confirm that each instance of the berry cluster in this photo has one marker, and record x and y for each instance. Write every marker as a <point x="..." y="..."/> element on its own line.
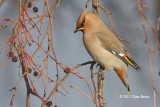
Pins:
<point x="35" y="9"/>
<point x="14" y="58"/>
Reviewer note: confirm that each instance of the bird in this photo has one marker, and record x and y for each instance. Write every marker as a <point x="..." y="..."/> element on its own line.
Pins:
<point x="104" y="47"/>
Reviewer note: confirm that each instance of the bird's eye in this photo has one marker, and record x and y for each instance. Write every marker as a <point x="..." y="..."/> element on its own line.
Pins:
<point x="83" y="23"/>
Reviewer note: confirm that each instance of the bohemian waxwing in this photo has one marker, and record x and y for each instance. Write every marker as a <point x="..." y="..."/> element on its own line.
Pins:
<point x="104" y="47"/>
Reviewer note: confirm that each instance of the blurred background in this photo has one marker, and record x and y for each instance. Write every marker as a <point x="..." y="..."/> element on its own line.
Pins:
<point x="70" y="51"/>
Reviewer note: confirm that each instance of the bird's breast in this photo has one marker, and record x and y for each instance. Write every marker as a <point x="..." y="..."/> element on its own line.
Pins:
<point x="99" y="53"/>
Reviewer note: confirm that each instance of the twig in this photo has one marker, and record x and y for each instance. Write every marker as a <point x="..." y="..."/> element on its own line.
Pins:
<point x="100" y="87"/>
<point x="4" y="62"/>
<point x="112" y="24"/>
<point x="87" y="3"/>
<point x="15" y="88"/>
<point x="2" y="2"/>
<point x="95" y="7"/>
<point x="20" y="53"/>
<point x="99" y="79"/>
<point x="64" y="78"/>
<point x="149" y="48"/>
<point x="95" y="90"/>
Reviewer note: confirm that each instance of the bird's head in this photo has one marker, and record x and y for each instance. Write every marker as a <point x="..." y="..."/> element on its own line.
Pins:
<point x="89" y="22"/>
<point x="81" y="21"/>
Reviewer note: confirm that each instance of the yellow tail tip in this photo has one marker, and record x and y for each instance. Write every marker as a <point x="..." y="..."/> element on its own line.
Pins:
<point x="128" y="92"/>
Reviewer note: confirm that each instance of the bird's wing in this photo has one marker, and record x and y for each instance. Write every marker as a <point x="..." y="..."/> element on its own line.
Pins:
<point x="112" y="44"/>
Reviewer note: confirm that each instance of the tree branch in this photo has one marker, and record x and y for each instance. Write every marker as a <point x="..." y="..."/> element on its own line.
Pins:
<point x="95" y="6"/>
<point x="100" y="76"/>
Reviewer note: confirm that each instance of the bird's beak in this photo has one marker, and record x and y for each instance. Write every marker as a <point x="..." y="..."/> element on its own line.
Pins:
<point x="78" y="29"/>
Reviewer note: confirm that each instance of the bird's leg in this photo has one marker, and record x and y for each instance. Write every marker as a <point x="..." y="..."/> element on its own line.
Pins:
<point x="97" y="65"/>
<point x="100" y="72"/>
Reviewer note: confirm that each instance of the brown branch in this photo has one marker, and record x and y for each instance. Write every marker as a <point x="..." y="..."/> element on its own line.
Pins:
<point x="15" y="88"/>
<point x="4" y="62"/>
<point x="57" y="85"/>
<point x="51" y="24"/>
<point x="149" y="48"/>
<point x="20" y="45"/>
<point x="63" y="79"/>
<point x="100" y="87"/>
<point x="99" y="79"/>
<point x="95" y="90"/>
<point x="95" y="6"/>
<point x="87" y="3"/>
<point x="19" y="49"/>
<point x="107" y="13"/>
<point x="1" y="3"/>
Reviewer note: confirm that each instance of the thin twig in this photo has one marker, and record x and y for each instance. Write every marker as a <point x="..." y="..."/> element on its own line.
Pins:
<point x="99" y="79"/>
<point x="95" y="90"/>
<point x="4" y="62"/>
<point x="149" y="48"/>
<point x="11" y="103"/>
<point x="64" y="78"/>
<point x="112" y="24"/>
<point x="95" y="7"/>
<point x="1" y="3"/>
<point x="100" y="86"/>
<point x="87" y="3"/>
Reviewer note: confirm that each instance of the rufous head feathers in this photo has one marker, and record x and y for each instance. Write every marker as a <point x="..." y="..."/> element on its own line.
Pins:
<point x="81" y="20"/>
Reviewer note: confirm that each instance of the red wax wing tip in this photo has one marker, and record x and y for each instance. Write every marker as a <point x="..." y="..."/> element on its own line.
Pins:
<point x="124" y="56"/>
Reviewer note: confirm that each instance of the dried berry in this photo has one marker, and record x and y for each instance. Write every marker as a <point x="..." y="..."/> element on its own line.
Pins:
<point x="35" y="9"/>
<point x="14" y="59"/>
<point x="29" y="4"/>
<point x="49" y="103"/>
<point x="55" y="106"/>
<point x="35" y="73"/>
<point x="11" y="54"/>
<point x="29" y="70"/>
<point x="66" y="70"/>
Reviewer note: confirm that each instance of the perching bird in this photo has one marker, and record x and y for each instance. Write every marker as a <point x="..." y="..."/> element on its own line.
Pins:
<point x="104" y="47"/>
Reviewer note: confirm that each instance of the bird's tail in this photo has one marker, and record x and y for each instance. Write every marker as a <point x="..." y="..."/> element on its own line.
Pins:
<point x="123" y="75"/>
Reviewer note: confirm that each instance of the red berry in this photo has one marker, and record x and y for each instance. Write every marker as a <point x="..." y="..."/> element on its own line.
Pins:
<point x="35" y="73"/>
<point x="14" y="59"/>
<point x="66" y="70"/>
<point x="49" y="103"/>
<point x="11" y="54"/>
<point x="35" y="9"/>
